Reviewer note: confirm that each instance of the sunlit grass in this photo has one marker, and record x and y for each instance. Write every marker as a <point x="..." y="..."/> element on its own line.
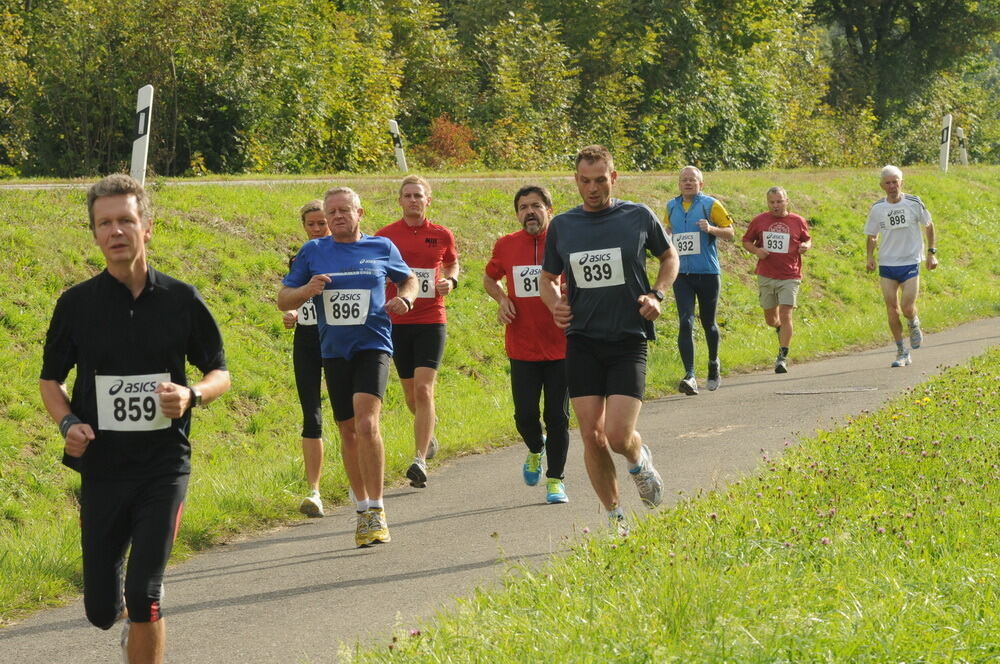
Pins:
<point x="233" y="243"/>
<point x="876" y="542"/>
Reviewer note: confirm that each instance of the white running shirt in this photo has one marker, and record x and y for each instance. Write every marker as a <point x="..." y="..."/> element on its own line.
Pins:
<point x="901" y="242"/>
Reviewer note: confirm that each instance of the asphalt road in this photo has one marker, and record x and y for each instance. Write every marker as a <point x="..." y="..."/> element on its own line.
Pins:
<point x="298" y="593"/>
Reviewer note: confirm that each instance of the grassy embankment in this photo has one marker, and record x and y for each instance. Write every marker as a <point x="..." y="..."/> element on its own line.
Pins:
<point x="875" y="542"/>
<point x="233" y="243"/>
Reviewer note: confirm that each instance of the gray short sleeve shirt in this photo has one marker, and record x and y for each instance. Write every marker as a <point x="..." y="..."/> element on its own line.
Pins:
<point x="603" y="255"/>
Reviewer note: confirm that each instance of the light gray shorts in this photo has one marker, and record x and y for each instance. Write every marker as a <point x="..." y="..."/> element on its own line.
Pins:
<point x="773" y="292"/>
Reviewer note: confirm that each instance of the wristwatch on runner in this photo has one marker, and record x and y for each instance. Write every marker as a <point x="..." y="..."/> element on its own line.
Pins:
<point x="454" y="282"/>
<point x="195" y="397"/>
<point x="932" y="250"/>
<point x="658" y="294"/>
<point x="409" y="302"/>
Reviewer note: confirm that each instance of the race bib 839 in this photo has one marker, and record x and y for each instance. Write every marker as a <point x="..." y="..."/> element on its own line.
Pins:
<point x="598" y="269"/>
<point x="128" y="403"/>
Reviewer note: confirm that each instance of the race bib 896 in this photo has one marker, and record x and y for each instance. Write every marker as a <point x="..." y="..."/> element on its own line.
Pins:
<point x="346" y="306"/>
<point x="128" y="403"/>
<point x="598" y="269"/>
<point x="525" y="279"/>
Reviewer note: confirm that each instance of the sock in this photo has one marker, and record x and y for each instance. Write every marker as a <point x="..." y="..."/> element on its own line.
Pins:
<point x="688" y="374"/>
<point x="314" y="492"/>
<point x="362" y="505"/>
<point x="636" y="467"/>
<point x="784" y="351"/>
<point x="420" y="462"/>
<point x="616" y="513"/>
<point x="375" y="503"/>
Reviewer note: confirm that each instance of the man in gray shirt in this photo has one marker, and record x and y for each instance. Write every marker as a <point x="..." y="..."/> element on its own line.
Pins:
<point x="608" y="313"/>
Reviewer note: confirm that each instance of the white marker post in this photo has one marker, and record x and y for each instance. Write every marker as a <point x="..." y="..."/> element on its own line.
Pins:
<point x="398" y="142"/>
<point x="945" y="141"/>
<point x="963" y="155"/>
<point x="140" y="146"/>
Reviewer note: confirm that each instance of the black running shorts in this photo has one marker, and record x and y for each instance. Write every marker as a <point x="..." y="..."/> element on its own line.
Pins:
<point x="418" y="345"/>
<point x="602" y="368"/>
<point x="365" y="373"/>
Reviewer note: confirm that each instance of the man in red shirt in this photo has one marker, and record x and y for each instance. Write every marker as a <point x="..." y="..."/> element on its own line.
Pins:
<point x="778" y="238"/>
<point x="418" y="336"/>
<point x="535" y="345"/>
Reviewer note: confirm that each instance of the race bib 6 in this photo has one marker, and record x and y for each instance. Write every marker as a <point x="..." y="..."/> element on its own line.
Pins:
<point x="128" y="403"/>
<point x="425" y="281"/>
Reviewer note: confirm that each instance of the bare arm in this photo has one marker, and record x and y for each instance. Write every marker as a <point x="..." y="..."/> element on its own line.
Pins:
<point x="551" y="293"/>
<point x="649" y="306"/>
<point x="445" y="285"/>
<point x="175" y="400"/>
<point x="56" y="401"/>
<point x="759" y="252"/>
<point x="406" y="292"/>
<point x="293" y="298"/>
<point x="932" y="260"/>
<point x="870" y="249"/>
<point x="506" y="311"/>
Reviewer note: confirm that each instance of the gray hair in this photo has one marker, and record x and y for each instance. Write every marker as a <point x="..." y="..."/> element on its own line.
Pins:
<point x="119" y="184"/>
<point x="777" y="190"/>
<point x="355" y="199"/>
<point x="697" y="172"/>
<point x="890" y="170"/>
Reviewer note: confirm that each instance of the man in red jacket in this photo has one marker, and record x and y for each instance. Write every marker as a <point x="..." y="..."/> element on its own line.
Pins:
<point x="418" y="336"/>
<point x="535" y="346"/>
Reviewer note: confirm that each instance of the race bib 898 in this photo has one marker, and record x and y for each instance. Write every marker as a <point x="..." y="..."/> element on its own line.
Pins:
<point x="128" y="403"/>
<point x="598" y="269"/>
<point x="346" y="306"/>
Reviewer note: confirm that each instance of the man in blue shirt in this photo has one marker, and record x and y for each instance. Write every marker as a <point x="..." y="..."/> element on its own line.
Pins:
<point x="345" y="275"/>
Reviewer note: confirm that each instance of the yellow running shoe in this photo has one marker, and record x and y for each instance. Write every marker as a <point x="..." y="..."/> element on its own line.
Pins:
<point x="362" y="535"/>
<point x="378" y="527"/>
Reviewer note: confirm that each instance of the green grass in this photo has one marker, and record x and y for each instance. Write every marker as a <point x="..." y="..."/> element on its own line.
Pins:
<point x="234" y="243"/>
<point x="876" y="542"/>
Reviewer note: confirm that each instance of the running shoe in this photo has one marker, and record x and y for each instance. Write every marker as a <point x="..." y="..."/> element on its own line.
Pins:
<point x="532" y="468"/>
<point x="916" y="336"/>
<point x="433" y="448"/>
<point x="312" y="505"/>
<point x="781" y="364"/>
<point x="556" y="491"/>
<point x="124" y="639"/>
<point x="417" y="473"/>
<point x="362" y="534"/>
<point x="647" y="480"/>
<point x="713" y="376"/>
<point x="688" y="386"/>
<point x="378" y="527"/>
<point x="902" y="359"/>
<point x="618" y="523"/>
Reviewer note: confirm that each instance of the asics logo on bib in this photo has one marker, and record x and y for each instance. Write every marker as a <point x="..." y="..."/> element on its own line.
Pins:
<point x="594" y="258"/>
<point x="530" y="271"/>
<point x="131" y="388"/>
<point x="346" y="297"/>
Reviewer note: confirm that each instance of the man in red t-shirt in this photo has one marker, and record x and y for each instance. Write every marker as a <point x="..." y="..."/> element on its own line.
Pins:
<point x="535" y="345"/>
<point x="418" y="335"/>
<point x="778" y="238"/>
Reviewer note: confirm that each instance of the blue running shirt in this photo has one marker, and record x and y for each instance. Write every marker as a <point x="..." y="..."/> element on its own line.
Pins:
<point x="351" y="310"/>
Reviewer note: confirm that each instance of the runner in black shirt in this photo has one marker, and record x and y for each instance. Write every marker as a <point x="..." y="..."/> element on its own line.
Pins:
<point x="128" y="332"/>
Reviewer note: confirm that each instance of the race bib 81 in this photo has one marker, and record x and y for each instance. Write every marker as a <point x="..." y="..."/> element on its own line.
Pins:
<point x="598" y="269"/>
<point x="525" y="280"/>
<point x="346" y="306"/>
<point x="128" y="403"/>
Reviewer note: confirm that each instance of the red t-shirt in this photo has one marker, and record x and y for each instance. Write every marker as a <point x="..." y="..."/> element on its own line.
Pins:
<point x="781" y="237"/>
<point x="533" y="335"/>
<point x="424" y="248"/>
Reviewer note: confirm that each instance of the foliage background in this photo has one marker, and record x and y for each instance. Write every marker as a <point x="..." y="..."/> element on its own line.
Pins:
<point x="308" y="85"/>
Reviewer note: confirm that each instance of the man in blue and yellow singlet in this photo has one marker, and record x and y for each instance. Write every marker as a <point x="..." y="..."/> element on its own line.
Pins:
<point x="696" y="220"/>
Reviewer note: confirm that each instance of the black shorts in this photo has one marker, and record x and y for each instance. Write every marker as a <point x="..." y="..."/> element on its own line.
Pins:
<point x="365" y="373"/>
<point x="419" y="345"/>
<point x="146" y="512"/>
<point x="602" y="368"/>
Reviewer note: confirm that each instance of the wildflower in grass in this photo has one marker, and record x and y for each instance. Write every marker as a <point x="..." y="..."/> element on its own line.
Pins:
<point x="880" y="530"/>
<point x="713" y="516"/>
<point x="586" y="530"/>
<point x="414" y="632"/>
<point x="824" y="540"/>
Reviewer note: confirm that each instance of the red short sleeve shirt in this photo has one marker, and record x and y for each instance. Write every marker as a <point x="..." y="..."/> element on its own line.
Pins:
<point x="780" y="237"/>
<point x="533" y="335"/>
<point x="425" y="248"/>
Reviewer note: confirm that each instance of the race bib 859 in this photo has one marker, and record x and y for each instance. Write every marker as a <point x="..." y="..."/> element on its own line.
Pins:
<point x="128" y="403"/>
<point x="598" y="269"/>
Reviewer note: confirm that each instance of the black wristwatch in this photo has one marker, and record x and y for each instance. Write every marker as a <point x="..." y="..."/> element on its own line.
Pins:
<point x="932" y="250"/>
<point x="454" y="282"/>
<point x="195" y="397"/>
<point x="409" y="302"/>
<point x="658" y="294"/>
